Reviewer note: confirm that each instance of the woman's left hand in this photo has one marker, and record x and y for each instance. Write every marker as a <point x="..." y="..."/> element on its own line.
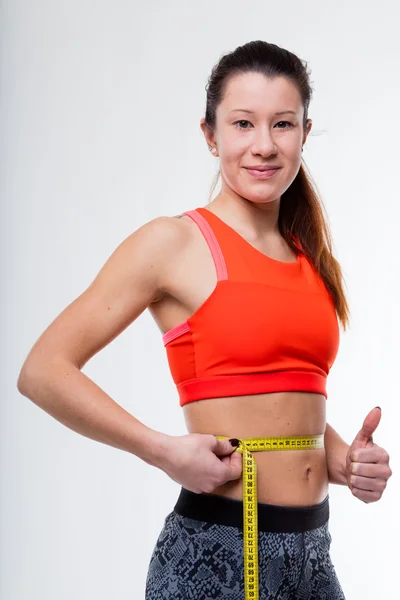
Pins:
<point x="367" y="465"/>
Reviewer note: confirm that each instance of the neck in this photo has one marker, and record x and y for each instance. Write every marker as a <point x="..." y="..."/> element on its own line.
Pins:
<point x="254" y="219"/>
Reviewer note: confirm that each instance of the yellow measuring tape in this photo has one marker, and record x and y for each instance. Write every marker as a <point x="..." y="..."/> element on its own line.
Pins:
<point x="249" y="474"/>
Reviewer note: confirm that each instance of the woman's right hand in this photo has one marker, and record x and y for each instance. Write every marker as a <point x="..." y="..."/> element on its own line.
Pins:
<point x="192" y="460"/>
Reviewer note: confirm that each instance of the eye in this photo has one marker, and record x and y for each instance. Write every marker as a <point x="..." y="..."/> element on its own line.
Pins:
<point x="242" y="121"/>
<point x="288" y="123"/>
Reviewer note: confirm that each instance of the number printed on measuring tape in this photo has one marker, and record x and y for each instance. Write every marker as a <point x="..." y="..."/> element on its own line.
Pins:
<point x="250" y="520"/>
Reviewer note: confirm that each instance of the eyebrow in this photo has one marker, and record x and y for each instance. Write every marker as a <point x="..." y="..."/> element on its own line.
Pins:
<point x="282" y="112"/>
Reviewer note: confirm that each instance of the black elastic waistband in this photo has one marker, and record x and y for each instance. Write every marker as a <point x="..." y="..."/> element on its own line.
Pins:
<point x="229" y="511"/>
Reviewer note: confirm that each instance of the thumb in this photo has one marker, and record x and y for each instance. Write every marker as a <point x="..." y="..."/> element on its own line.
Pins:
<point x="234" y="464"/>
<point x="223" y="447"/>
<point x="363" y="438"/>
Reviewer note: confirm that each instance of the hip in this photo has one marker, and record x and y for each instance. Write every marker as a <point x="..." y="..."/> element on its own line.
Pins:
<point x="199" y="552"/>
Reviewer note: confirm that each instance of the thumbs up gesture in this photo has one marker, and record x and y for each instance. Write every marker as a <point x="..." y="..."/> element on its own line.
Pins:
<point x="367" y="465"/>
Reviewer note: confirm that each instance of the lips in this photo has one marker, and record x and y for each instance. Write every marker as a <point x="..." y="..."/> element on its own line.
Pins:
<point x="262" y="168"/>
<point x="262" y="173"/>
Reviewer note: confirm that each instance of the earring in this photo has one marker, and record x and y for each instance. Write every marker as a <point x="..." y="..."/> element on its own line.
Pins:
<point x="212" y="149"/>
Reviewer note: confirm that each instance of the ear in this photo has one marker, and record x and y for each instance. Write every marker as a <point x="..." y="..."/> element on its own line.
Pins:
<point x="208" y="133"/>
<point x="307" y="130"/>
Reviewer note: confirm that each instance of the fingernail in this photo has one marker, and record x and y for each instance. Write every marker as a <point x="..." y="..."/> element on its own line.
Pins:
<point x="234" y="441"/>
<point x="378" y="407"/>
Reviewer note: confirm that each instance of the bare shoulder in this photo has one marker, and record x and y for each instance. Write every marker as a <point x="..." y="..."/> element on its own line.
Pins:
<point x="170" y="238"/>
<point x="165" y="230"/>
<point x="160" y="240"/>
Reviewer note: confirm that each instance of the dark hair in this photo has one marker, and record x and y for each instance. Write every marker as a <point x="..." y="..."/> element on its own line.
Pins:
<point x="301" y="211"/>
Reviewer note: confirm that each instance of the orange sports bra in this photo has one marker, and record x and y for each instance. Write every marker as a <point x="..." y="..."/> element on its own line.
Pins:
<point x="268" y="326"/>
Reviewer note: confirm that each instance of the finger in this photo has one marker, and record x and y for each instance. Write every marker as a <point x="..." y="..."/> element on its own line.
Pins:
<point x="372" y="484"/>
<point x="369" y="455"/>
<point x="233" y="468"/>
<point x="366" y="496"/>
<point x="221" y="447"/>
<point x="371" y="422"/>
<point x="371" y="470"/>
<point x="364" y="436"/>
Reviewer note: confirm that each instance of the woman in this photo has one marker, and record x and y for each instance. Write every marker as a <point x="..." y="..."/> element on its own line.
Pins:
<point x="248" y="296"/>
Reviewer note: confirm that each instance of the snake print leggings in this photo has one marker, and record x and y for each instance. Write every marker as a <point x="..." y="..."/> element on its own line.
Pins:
<point x="199" y="552"/>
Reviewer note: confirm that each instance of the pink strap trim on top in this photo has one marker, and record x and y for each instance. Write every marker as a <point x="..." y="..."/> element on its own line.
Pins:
<point x="175" y="332"/>
<point x="222" y="272"/>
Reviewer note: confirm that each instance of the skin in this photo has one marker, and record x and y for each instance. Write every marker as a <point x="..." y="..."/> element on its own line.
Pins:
<point x="165" y="266"/>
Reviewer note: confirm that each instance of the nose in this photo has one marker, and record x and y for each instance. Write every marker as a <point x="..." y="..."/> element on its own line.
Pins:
<point x="263" y="143"/>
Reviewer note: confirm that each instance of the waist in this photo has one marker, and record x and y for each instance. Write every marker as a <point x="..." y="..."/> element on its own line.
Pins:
<point x="291" y="478"/>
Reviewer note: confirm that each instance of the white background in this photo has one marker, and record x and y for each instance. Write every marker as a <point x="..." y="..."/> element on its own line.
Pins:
<point x="100" y="110"/>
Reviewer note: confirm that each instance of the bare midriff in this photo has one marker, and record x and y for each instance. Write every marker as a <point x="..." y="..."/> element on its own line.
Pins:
<point x="285" y="477"/>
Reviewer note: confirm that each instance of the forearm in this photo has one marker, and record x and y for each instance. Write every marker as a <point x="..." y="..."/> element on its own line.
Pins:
<point x="72" y="398"/>
<point x="336" y="451"/>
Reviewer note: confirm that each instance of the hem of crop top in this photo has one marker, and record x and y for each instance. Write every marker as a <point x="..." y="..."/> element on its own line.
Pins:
<point x="251" y="383"/>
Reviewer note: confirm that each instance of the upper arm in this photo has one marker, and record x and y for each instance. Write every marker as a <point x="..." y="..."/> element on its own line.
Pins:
<point x="127" y="283"/>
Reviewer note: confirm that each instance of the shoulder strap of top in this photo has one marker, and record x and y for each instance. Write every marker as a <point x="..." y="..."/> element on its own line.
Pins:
<point x="209" y="235"/>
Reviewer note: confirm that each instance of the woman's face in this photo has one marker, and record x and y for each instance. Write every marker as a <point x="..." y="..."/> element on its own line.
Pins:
<point x="258" y="123"/>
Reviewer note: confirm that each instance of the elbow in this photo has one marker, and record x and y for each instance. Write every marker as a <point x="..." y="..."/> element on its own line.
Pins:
<point x="24" y="379"/>
<point x="33" y="372"/>
<point x="39" y="372"/>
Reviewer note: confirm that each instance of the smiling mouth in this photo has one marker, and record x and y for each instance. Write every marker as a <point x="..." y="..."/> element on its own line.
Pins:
<point x="262" y="173"/>
<point x="263" y="168"/>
